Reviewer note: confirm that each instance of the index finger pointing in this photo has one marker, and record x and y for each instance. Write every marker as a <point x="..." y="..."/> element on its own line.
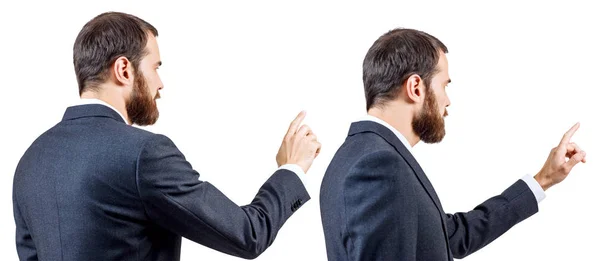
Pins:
<point x="296" y="123"/>
<point x="567" y="137"/>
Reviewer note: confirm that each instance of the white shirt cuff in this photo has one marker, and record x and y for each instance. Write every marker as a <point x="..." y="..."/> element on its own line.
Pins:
<point x="535" y="187"/>
<point x="296" y="169"/>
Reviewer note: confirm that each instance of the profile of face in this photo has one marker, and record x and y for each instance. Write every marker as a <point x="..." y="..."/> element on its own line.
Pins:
<point x="428" y="121"/>
<point x="141" y="105"/>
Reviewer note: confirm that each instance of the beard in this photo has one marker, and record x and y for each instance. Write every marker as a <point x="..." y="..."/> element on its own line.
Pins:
<point x="428" y="124"/>
<point x="141" y="106"/>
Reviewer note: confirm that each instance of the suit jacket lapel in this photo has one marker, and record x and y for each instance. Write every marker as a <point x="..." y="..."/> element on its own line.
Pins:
<point x="390" y="137"/>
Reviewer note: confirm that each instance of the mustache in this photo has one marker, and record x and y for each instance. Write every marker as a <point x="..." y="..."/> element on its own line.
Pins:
<point x="157" y="96"/>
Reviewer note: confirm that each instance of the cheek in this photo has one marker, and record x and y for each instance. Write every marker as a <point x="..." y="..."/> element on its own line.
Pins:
<point x="441" y="102"/>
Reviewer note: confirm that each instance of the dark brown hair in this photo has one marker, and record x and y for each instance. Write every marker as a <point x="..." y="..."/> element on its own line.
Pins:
<point x="393" y="58"/>
<point x="103" y="40"/>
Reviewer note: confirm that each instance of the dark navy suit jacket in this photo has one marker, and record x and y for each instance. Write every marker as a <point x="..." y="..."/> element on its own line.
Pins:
<point x="95" y="188"/>
<point x="377" y="204"/>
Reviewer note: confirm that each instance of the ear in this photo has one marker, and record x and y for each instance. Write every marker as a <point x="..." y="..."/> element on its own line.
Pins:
<point x="415" y="88"/>
<point x="123" y="71"/>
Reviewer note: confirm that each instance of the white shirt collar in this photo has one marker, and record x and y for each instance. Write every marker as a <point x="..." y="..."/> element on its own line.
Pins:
<point x="382" y="122"/>
<point x="85" y="101"/>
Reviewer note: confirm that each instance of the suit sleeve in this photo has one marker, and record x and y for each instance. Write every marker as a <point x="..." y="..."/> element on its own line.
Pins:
<point x="379" y="211"/>
<point x="470" y="231"/>
<point x="177" y="200"/>
<point x="25" y="245"/>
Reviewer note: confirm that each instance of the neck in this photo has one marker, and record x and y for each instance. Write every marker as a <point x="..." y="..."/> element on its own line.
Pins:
<point x="114" y="99"/>
<point x="399" y="115"/>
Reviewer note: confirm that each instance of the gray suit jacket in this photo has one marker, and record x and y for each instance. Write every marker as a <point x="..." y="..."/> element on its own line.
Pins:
<point x="377" y="204"/>
<point x="94" y="188"/>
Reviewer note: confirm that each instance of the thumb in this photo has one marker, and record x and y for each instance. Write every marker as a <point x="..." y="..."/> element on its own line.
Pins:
<point x="578" y="157"/>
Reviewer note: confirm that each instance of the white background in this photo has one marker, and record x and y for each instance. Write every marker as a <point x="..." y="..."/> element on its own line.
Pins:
<point x="237" y="72"/>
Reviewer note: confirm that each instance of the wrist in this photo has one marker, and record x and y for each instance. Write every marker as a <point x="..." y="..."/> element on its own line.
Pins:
<point x="296" y="168"/>
<point x="544" y="183"/>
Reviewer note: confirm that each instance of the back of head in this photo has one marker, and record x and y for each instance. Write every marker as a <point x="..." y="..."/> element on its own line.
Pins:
<point x="393" y="58"/>
<point x="102" y="40"/>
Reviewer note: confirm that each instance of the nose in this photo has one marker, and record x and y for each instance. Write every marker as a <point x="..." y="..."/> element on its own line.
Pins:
<point x="160" y="84"/>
